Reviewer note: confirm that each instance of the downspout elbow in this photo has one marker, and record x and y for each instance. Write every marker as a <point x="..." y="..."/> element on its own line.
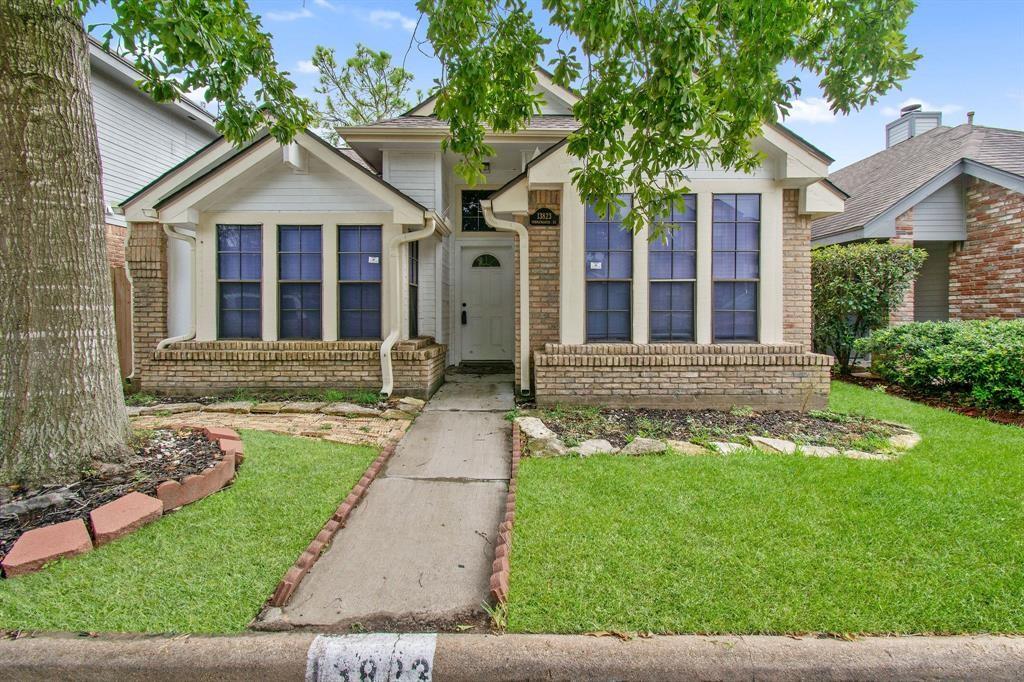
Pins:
<point x="191" y="333"/>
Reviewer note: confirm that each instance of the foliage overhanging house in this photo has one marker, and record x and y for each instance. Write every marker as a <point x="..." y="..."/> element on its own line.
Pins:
<point x="377" y="266"/>
<point x="958" y="193"/>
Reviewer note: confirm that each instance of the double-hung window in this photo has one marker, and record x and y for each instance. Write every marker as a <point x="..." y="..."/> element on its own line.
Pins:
<point x="672" y="264"/>
<point x="609" y="274"/>
<point x="736" y="238"/>
<point x="414" y="289"/>
<point x="239" y="272"/>
<point x="359" y="278"/>
<point x="300" y="266"/>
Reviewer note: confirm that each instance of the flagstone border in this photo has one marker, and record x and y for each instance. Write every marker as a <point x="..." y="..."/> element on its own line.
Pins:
<point x="501" y="568"/>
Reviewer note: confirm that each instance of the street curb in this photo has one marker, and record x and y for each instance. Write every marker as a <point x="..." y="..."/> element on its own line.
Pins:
<point x="459" y="658"/>
<point x="501" y="569"/>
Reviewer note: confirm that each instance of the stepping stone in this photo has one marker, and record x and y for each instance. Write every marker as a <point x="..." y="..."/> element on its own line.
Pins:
<point x="904" y="441"/>
<point x="302" y="407"/>
<point x="860" y="454"/>
<point x="686" y="448"/>
<point x="235" y="407"/>
<point x="643" y="446"/>
<point x="267" y="408"/>
<point x="39" y="546"/>
<point x="411" y="405"/>
<point x="786" y="447"/>
<point x="819" y="450"/>
<point x="728" y="448"/>
<point x="594" y="446"/>
<point x="124" y="515"/>
<point x="396" y="414"/>
<point x="349" y="410"/>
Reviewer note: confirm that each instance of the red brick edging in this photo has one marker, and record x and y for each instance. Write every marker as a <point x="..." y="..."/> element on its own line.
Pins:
<point x="115" y="519"/>
<point x="284" y="590"/>
<point x="500" y="568"/>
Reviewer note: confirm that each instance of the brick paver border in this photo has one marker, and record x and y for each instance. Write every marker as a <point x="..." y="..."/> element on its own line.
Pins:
<point x="501" y="569"/>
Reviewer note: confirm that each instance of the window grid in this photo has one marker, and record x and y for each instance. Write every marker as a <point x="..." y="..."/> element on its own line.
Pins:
<point x="672" y="270"/>
<point x="359" y="281"/>
<point x="736" y="234"/>
<point x="414" y="289"/>
<point x="609" y="274"/>
<point x="239" y="277"/>
<point x="472" y="213"/>
<point x="300" y="285"/>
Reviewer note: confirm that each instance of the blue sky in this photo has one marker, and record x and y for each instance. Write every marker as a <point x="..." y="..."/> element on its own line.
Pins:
<point x="971" y="60"/>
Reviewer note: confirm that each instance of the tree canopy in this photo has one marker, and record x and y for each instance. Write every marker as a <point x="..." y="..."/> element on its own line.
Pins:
<point x="664" y="84"/>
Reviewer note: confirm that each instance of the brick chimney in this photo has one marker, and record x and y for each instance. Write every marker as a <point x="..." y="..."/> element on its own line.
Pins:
<point x="912" y="122"/>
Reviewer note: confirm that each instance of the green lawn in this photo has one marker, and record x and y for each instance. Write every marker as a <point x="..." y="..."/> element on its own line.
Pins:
<point x="206" y="568"/>
<point x="758" y="543"/>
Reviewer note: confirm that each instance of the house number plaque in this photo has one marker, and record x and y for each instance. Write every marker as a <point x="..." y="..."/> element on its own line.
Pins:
<point x="544" y="216"/>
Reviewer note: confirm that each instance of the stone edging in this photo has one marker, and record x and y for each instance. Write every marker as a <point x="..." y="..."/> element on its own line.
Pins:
<point x="37" y="547"/>
<point x="501" y="569"/>
<point x="286" y="587"/>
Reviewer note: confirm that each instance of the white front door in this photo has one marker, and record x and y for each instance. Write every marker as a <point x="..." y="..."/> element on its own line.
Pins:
<point x="485" y="313"/>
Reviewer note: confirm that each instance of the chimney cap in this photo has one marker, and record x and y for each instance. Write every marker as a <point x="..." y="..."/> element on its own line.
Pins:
<point x="970" y="118"/>
<point x="909" y="108"/>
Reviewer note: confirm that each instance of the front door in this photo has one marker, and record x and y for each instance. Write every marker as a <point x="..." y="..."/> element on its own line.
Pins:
<point x="487" y="306"/>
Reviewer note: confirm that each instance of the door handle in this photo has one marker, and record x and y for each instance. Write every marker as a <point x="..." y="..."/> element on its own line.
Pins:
<point x="464" y="319"/>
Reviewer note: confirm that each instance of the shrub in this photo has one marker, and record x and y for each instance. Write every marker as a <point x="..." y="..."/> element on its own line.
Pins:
<point x="855" y="287"/>
<point x="982" y="358"/>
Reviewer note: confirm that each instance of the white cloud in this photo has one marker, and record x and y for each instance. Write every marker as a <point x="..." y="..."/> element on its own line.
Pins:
<point x="290" y="15"/>
<point x="947" y="109"/>
<point x="389" y="18"/>
<point x="811" y="110"/>
<point x="326" y="5"/>
<point x="306" y="66"/>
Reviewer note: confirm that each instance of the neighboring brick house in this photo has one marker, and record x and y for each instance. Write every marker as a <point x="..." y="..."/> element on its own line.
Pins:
<point x="956" y="192"/>
<point x="378" y="267"/>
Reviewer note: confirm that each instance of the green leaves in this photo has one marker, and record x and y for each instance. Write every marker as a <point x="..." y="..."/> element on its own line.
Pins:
<point x="365" y="90"/>
<point x="666" y="84"/>
<point x="217" y="47"/>
<point x="854" y="288"/>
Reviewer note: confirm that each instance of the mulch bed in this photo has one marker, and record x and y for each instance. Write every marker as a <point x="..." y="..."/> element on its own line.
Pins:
<point x="164" y="455"/>
<point x="947" y="401"/>
<point x="256" y="396"/>
<point x="617" y="425"/>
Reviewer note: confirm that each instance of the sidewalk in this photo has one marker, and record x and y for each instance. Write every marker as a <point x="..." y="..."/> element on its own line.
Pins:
<point x="417" y="552"/>
<point x="458" y="658"/>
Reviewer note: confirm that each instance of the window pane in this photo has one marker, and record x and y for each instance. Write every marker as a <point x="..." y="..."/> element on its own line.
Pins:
<point x="251" y="239"/>
<point x="227" y="238"/>
<point x="620" y="265"/>
<point x="745" y="296"/>
<point x="371" y="269"/>
<point x="252" y="266"/>
<point x="251" y="296"/>
<point x="597" y="264"/>
<point x="370" y="239"/>
<point x="747" y="237"/>
<point x="291" y="296"/>
<point x="689" y="211"/>
<point x="289" y="266"/>
<point x="311" y="296"/>
<point x="310" y="266"/>
<point x="350" y="296"/>
<point x="350" y="322"/>
<point x="371" y="297"/>
<point x="291" y="325"/>
<point x="597" y="236"/>
<point x="660" y="265"/>
<point x="723" y="237"/>
<point x="239" y="259"/>
<point x="618" y="326"/>
<point x="618" y="295"/>
<point x="724" y="326"/>
<point x="310" y="324"/>
<point x="251" y="324"/>
<point x="746" y="265"/>
<point x="472" y="213"/>
<point x="229" y="266"/>
<point x="661" y="296"/>
<point x="748" y="207"/>
<point x="310" y="240"/>
<point x="348" y="239"/>
<point x="684" y="265"/>
<point x="231" y="324"/>
<point x="597" y="296"/>
<point x="686" y="237"/>
<point x="724" y="207"/>
<point x="348" y="265"/>
<point x="609" y="255"/>
<point x="597" y="326"/>
<point x="289" y="240"/>
<point x="724" y="295"/>
<point x="371" y="324"/>
<point x="724" y="265"/>
<point x="660" y="329"/>
<point x="746" y="326"/>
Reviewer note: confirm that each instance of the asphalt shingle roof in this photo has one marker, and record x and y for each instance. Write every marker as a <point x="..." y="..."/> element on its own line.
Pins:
<point x="547" y="121"/>
<point x="876" y="183"/>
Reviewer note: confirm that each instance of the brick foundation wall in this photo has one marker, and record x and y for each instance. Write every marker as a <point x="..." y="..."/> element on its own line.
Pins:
<point x="904" y="235"/>
<point x="796" y="272"/>
<point x="544" y="277"/>
<point x="116" y="235"/>
<point x="986" y="274"/>
<point x="683" y="376"/>
<point x="146" y="254"/>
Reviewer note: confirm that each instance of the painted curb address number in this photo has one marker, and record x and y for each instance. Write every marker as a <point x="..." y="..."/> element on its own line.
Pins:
<point x="371" y="658"/>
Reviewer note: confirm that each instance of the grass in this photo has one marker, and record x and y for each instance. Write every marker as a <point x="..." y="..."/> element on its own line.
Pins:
<point x="759" y="543"/>
<point x="206" y="568"/>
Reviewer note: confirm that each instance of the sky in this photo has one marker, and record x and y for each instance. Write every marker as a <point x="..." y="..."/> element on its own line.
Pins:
<point x="971" y="61"/>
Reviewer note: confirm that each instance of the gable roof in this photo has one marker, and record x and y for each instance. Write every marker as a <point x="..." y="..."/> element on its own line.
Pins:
<point x="879" y="182"/>
<point x="540" y="122"/>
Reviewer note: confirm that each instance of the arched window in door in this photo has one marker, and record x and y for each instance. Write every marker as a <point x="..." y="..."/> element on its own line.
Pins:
<point x="486" y="260"/>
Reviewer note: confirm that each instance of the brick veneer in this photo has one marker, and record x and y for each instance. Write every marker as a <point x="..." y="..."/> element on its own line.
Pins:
<point x="904" y="235"/>
<point x="116" y="244"/>
<point x="193" y="367"/>
<point x="796" y="271"/>
<point x="716" y="376"/>
<point x="986" y="274"/>
<point x="544" y="277"/>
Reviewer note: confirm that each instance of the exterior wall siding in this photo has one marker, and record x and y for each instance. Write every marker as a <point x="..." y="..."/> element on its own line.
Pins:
<point x="931" y="290"/>
<point x="986" y="274"/>
<point x="415" y="174"/>
<point x="940" y="217"/>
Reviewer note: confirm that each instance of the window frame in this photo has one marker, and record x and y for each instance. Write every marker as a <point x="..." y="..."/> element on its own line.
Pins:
<point x="587" y="280"/>
<point x="484" y="193"/>
<point x="281" y="282"/>
<point x="756" y="281"/>
<point x="675" y="219"/>
<point x="379" y="282"/>
<point x="414" y="289"/>
<point x="258" y="229"/>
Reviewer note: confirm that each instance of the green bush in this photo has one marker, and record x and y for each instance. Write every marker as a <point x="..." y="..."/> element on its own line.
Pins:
<point x="983" y="358"/>
<point x="854" y="288"/>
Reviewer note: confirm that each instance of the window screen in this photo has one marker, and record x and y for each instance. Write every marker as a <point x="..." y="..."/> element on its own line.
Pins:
<point x="672" y="268"/>
<point x="736" y="240"/>
<point x="300" y="264"/>
<point x="609" y="274"/>
<point x="359" y="277"/>
<point x="239" y="271"/>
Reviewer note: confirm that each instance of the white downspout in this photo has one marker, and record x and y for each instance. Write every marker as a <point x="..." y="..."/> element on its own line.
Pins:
<point x="524" y="288"/>
<point x="191" y="333"/>
<point x="395" y="326"/>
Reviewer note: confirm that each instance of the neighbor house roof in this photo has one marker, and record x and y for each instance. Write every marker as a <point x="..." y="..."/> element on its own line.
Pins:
<point x="876" y="184"/>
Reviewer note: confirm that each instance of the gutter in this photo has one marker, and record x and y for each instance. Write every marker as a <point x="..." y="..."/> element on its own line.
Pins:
<point x="524" y="288"/>
<point x="386" y="369"/>
<point x="191" y="333"/>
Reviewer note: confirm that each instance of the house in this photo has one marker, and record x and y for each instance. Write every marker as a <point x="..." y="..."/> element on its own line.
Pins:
<point x="377" y="266"/>
<point x="138" y="137"/>
<point x="956" y="192"/>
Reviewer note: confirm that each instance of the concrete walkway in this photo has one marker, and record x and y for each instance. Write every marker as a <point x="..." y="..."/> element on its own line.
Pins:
<point x="418" y="550"/>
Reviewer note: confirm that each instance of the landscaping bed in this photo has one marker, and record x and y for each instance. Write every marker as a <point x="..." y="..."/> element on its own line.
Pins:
<point x="364" y="397"/>
<point x="160" y="455"/>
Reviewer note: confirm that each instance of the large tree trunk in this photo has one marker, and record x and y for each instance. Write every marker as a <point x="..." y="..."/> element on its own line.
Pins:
<point x="61" y="405"/>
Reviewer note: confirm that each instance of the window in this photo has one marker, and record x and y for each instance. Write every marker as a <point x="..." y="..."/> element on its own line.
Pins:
<point x="735" y="265"/>
<point x="486" y="260"/>
<point x="359" y="276"/>
<point x="472" y="213"/>
<point x="609" y="274"/>
<point x="673" y="272"/>
<point x="299" y="262"/>
<point x="414" y="289"/>
<point x="239" y="271"/>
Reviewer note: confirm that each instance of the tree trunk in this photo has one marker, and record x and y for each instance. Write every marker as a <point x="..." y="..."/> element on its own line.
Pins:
<point x="61" y="405"/>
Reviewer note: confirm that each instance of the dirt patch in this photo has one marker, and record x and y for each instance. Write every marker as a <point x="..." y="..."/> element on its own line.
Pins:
<point x="161" y="455"/>
<point x="953" y="402"/>
<point x="577" y="424"/>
